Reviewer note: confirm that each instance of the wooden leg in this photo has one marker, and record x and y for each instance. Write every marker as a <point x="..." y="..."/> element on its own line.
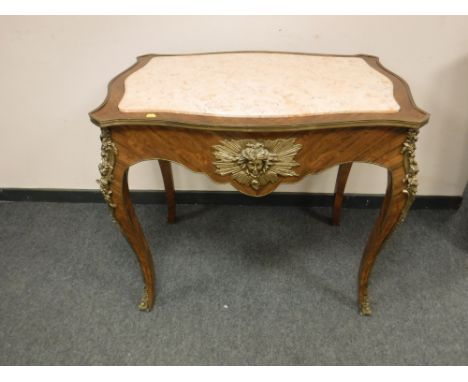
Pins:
<point x="343" y="173"/>
<point x="392" y="211"/>
<point x="166" y="172"/>
<point x="125" y="216"/>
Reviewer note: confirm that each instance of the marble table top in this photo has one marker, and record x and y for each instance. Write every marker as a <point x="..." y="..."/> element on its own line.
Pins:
<point x="258" y="85"/>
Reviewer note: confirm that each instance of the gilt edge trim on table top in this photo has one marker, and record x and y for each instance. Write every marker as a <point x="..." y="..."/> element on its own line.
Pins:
<point x="409" y="116"/>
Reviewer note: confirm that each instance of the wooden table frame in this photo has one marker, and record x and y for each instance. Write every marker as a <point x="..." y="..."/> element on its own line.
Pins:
<point x="386" y="140"/>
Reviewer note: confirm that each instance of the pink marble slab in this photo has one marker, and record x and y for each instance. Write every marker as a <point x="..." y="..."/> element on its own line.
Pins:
<point x="258" y="85"/>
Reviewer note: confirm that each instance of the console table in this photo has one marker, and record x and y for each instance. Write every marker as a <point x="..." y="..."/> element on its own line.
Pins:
<point x="256" y="120"/>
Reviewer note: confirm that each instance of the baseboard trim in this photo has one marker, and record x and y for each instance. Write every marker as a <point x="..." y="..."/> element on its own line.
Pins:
<point x="223" y="197"/>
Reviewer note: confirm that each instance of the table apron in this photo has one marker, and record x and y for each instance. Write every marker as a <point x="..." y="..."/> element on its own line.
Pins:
<point x="318" y="150"/>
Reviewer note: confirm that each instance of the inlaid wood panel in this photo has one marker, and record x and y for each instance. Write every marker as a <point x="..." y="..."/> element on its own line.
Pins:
<point x="320" y="150"/>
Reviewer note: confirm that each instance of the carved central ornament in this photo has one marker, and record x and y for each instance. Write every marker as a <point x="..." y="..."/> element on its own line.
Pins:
<point x="256" y="163"/>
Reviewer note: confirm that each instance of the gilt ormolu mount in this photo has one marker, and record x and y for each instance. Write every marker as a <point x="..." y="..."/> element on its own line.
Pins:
<point x="256" y="163"/>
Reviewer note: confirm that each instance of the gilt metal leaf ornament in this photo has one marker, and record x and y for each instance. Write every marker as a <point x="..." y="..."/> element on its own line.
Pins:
<point x="256" y="163"/>
<point x="411" y="168"/>
<point x="106" y="167"/>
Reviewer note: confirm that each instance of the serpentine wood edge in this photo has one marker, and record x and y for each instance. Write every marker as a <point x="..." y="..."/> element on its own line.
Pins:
<point x="409" y="115"/>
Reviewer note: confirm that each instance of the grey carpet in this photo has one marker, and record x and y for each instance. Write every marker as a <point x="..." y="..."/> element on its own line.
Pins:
<point x="236" y="286"/>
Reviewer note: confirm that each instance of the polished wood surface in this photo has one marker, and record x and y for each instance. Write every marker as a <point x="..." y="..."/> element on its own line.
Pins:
<point x="341" y="179"/>
<point x="333" y="140"/>
<point x="166" y="173"/>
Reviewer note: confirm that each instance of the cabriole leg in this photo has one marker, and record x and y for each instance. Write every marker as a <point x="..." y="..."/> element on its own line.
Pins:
<point x="342" y="177"/>
<point x="114" y="186"/>
<point x="166" y="172"/>
<point x="401" y="191"/>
